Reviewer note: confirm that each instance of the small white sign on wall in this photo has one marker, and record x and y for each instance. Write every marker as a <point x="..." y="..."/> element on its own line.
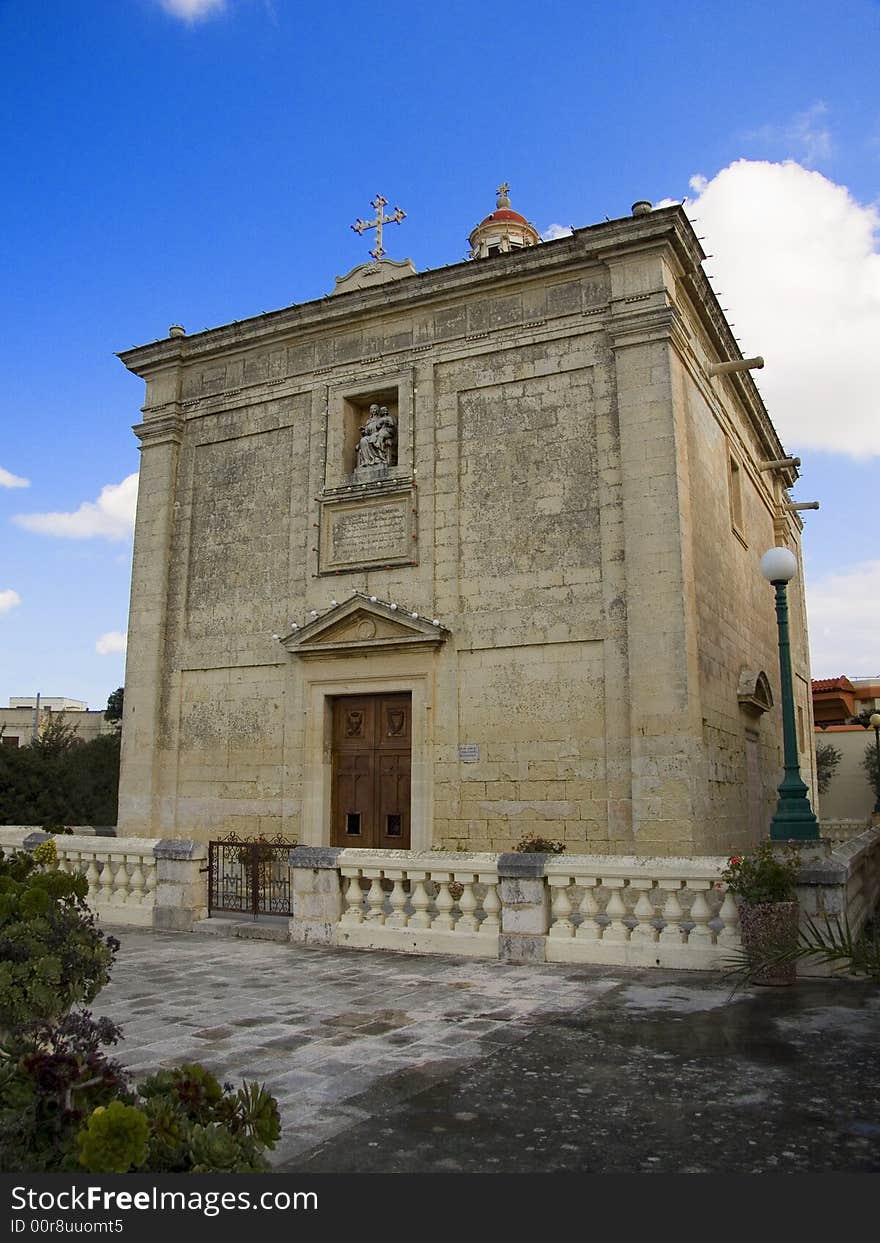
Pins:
<point x="468" y="752"/>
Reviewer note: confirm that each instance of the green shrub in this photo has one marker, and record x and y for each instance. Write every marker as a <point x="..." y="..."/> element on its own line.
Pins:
<point x="766" y="874"/>
<point x="66" y="1105"/>
<point x="200" y="1127"/>
<point x="114" y="1140"/>
<point x="531" y="843"/>
<point x="52" y="1077"/>
<point x="52" y="953"/>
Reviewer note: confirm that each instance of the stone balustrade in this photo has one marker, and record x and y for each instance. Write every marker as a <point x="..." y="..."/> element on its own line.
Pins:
<point x="640" y="912"/>
<point x="421" y="902"/>
<point x="133" y="881"/>
<point x="838" y="831"/>
<point x="844" y="883"/>
<point x="121" y="872"/>
<point x="612" y="910"/>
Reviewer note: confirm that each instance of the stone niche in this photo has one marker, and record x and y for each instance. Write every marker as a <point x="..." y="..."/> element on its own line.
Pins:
<point x="348" y="411"/>
<point x="356" y="417"/>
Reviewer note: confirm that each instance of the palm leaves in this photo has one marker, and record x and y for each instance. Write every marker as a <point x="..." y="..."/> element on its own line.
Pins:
<point x="831" y="943"/>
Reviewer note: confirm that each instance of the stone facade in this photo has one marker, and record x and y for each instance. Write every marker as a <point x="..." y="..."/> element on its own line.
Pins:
<point x="560" y="566"/>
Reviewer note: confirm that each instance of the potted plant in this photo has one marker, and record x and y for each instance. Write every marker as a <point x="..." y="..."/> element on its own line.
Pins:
<point x="764" y="883"/>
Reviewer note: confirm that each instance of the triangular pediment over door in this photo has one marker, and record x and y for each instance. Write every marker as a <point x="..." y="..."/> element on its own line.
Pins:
<point x="362" y="624"/>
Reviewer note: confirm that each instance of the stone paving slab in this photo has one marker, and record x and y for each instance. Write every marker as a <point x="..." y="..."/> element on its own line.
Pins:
<point x="393" y="1063"/>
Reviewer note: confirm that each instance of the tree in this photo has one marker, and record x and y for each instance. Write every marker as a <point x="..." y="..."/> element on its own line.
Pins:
<point x="827" y="759"/>
<point x="869" y="764"/>
<point x="58" y="779"/>
<point x="113" y="711"/>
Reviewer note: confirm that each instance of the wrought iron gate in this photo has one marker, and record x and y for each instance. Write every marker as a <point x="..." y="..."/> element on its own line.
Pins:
<point x="250" y="876"/>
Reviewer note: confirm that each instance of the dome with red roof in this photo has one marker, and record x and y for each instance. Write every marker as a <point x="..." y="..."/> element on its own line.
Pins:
<point x="503" y="231"/>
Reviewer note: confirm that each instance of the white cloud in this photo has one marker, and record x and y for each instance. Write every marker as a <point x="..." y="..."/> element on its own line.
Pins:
<point x="842" y="611"/>
<point x="111" y="642"/>
<point x="192" y="10"/>
<point x="8" y="480"/>
<point x="8" y="600"/>
<point x="796" y="262"/>
<point x="111" y="517"/>
<point x="806" y="135"/>
<point x="553" y="231"/>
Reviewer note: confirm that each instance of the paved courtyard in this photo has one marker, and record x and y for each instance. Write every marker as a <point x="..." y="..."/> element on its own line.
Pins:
<point x="390" y="1063"/>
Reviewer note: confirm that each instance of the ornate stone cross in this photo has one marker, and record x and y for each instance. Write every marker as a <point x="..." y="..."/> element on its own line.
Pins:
<point x="395" y="218"/>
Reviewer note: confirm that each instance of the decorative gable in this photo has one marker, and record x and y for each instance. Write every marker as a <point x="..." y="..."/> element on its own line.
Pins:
<point x="364" y="624"/>
<point x="754" y="692"/>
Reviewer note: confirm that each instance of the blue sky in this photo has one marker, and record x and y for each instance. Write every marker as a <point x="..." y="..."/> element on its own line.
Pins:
<point x="199" y="161"/>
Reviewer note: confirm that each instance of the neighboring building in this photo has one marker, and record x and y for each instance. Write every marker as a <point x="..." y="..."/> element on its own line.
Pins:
<point x="837" y="702"/>
<point x="50" y="703"/>
<point x="455" y="556"/>
<point x="17" y="722"/>
<point x="834" y="701"/>
<point x="867" y="695"/>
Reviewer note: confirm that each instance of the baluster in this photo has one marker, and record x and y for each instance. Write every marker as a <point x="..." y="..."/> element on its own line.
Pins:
<point x="444" y="903"/>
<point x="467" y="903"/>
<point x="93" y="877"/>
<point x="644" y="931"/>
<point x="588" y="929"/>
<point x="420" y="900"/>
<point x="136" y="881"/>
<point x="700" y="914"/>
<point x="119" y="895"/>
<point x="729" y="916"/>
<point x="491" y="905"/>
<point x="105" y="884"/>
<point x="398" y="917"/>
<point x="150" y="881"/>
<point x="353" y="913"/>
<point x="77" y="861"/>
<point x="376" y="897"/>
<point x="561" y="925"/>
<point x="672" y="933"/>
<point x="617" y="930"/>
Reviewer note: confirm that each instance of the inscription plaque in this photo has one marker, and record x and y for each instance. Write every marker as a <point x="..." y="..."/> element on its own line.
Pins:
<point x="369" y="531"/>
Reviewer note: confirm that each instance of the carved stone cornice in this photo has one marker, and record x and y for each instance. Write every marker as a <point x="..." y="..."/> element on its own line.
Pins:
<point x="632" y="326"/>
<point x="160" y="429"/>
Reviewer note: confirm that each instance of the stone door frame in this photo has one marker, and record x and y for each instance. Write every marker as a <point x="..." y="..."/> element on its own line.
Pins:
<point x="318" y="693"/>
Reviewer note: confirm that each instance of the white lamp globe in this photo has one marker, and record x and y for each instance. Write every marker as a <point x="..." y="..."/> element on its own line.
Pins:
<point x="779" y="565"/>
<point x="874" y="721"/>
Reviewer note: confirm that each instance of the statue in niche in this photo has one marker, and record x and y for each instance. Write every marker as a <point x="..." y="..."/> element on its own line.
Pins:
<point x="376" y="445"/>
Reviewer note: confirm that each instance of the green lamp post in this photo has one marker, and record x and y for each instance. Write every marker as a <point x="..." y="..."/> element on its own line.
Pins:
<point x="794" y="818"/>
<point x="874" y="722"/>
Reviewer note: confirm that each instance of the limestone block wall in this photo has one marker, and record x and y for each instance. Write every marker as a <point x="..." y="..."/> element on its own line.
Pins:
<point x="734" y="605"/>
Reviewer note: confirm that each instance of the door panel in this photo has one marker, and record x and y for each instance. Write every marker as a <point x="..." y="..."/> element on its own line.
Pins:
<point x="354" y="789"/>
<point x="372" y="752"/>
<point x="392" y="804"/>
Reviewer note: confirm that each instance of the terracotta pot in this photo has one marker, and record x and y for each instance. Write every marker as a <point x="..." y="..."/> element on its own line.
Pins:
<point x="766" y="928"/>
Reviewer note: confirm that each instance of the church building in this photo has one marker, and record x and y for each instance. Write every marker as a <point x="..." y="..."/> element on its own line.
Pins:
<point x="455" y="557"/>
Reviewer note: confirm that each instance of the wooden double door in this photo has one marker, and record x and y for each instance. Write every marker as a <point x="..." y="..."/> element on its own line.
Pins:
<point x="372" y="757"/>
